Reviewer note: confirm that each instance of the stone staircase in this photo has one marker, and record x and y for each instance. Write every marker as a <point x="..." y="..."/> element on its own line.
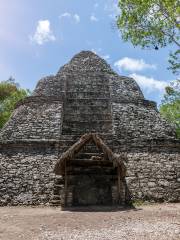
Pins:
<point x="57" y="197"/>
<point x="87" y="106"/>
<point x="86" y="109"/>
<point x="86" y="115"/>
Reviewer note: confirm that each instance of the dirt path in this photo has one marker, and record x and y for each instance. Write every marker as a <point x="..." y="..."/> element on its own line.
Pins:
<point x="155" y="222"/>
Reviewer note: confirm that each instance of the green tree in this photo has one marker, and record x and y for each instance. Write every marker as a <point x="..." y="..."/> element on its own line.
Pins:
<point x="170" y="106"/>
<point x="152" y="24"/>
<point x="10" y="94"/>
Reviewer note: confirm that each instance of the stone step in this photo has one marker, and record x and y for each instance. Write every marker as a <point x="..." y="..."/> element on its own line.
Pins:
<point x="87" y="79"/>
<point x="88" y="87"/>
<point x="89" y="94"/>
<point x="83" y="122"/>
<point x="54" y="205"/>
<point x="84" y="99"/>
<point x="90" y="105"/>
<point x="77" y="136"/>
<point x="84" y="128"/>
<point x="69" y="142"/>
<point x="104" y="90"/>
<point x="87" y="100"/>
<point x="55" y="202"/>
<point x="86" y="117"/>
<point x="87" y="109"/>
<point x="70" y="130"/>
<point x="56" y="197"/>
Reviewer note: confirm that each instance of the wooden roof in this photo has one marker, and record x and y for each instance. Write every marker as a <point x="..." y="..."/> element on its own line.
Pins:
<point x="117" y="159"/>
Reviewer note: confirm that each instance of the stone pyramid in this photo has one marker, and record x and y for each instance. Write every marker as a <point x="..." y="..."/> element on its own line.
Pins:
<point x="87" y="96"/>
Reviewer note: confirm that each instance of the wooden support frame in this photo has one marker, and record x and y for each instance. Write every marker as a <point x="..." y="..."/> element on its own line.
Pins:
<point x="65" y="185"/>
<point x="119" y="185"/>
<point x="117" y="161"/>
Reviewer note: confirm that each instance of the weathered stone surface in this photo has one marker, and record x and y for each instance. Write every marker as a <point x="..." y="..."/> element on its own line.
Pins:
<point x="87" y="96"/>
<point x="34" y="120"/>
<point x="140" y="122"/>
<point x="154" y="176"/>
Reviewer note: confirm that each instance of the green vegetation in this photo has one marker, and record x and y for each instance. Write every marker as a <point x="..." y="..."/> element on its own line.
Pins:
<point x="10" y="94"/>
<point x="170" y="106"/>
<point x="139" y="202"/>
<point x="152" y="24"/>
<point x="155" y="24"/>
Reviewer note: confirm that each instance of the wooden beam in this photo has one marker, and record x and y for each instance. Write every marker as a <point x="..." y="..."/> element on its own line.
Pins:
<point x="65" y="185"/>
<point x="88" y="162"/>
<point x="119" y="185"/>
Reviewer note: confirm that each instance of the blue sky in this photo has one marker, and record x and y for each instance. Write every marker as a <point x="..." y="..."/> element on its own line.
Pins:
<point x="39" y="36"/>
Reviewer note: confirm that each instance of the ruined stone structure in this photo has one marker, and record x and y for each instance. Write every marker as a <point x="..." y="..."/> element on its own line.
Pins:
<point x="89" y="125"/>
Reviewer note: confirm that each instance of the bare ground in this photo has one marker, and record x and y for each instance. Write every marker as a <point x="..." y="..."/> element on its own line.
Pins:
<point x="152" y="222"/>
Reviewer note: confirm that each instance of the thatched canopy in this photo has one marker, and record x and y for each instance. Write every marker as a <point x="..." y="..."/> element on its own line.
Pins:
<point x="116" y="159"/>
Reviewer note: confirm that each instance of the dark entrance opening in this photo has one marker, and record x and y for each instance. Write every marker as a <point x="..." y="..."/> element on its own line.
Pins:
<point x="92" y="190"/>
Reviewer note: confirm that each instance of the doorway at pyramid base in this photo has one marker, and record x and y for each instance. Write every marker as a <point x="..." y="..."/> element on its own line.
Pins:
<point x="89" y="173"/>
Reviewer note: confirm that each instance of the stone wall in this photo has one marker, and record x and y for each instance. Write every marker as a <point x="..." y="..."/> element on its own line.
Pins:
<point x="123" y="88"/>
<point x="51" y="86"/>
<point x="27" y="175"/>
<point x="34" y="120"/>
<point x="154" y="176"/>
<point x="137" y="121"/>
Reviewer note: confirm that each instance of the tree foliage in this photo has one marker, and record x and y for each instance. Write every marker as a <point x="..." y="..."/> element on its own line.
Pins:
<point x="170" y="106"/>
<point x="10" y="94"/>
<point x="152" y="24"/>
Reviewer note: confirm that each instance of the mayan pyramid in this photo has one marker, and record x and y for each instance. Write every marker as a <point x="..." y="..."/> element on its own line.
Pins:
<point x="87" y="97"/>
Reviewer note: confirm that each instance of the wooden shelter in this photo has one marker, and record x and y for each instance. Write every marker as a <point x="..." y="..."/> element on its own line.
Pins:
<point x="91" y="178"/>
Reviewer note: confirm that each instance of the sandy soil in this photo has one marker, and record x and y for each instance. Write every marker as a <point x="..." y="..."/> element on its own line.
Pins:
<point x="152" y="222"/>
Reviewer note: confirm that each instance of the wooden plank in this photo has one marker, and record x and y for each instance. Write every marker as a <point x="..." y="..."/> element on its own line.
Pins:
<point x="88" y="162"/>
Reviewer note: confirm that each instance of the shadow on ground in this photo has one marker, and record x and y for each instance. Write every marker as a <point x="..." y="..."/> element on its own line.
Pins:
<point x="101" y="209"/>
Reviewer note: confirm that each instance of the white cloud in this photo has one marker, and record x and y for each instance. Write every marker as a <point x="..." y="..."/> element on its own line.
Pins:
<point x="149" y="84"/>
<point x="93" y="18"/>
<point x="93" y="50"/>
<point x="99" y="52"/>
<point x="96" y="5"/>
<point x="74" y="17"/>
<point x="132" y="64"/>
<point x="106" y="57"/>
<point x="66" y="15"/>
<point x="96" y="51"/>
<point x="112" y="9"/>
<point x="43" y="33"/>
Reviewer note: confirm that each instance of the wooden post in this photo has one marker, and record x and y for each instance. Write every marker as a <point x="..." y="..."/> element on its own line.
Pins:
<point x="65" y="197"/>
<point x="119" y="185"/>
